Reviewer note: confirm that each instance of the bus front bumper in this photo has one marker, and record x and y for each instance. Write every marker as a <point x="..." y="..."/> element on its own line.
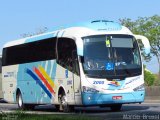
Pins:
<point x="102" y="99"/>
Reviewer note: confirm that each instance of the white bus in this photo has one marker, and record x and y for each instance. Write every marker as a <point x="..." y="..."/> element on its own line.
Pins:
<point x="95" y="63"/>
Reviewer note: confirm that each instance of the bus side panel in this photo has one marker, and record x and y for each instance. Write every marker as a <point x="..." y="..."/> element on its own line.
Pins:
<point x="64" y="79"/>
<point x="35" y="80"/>
<point x="77" y="90"/>
<point x="31" y="79"/>
<point x="9" y="82"/>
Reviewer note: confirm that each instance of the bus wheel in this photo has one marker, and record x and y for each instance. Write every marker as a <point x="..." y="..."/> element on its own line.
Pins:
<point x="20" y="101"/>
<point x="64" y="105"/>
<point x="56" y="107"/>
<point x="116" y="107"/>
<point x="29" y="106"/>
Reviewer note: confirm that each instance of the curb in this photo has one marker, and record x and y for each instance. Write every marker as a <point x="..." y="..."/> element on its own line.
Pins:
<point x="152" y="101"/>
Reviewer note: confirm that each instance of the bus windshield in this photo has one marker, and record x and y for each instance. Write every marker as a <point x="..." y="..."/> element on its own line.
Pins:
<point x="111" y="56"/>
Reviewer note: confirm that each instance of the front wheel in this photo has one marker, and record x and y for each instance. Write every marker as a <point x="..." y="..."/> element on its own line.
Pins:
<point x="116" y="107"/>
<point x="64" y="105"/>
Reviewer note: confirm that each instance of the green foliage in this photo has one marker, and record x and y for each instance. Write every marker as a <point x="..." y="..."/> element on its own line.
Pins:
<point x="149" y="27"/>
<point x="149" y="78"/>
<point x="24" y="116"/>
<point x="157" y="80"/>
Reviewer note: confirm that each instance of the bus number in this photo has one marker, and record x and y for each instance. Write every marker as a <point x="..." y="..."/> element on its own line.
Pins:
<point x="98" y="82"/>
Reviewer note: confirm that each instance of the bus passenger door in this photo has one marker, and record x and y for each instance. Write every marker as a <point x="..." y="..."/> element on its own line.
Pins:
<point x="76" y="79"/>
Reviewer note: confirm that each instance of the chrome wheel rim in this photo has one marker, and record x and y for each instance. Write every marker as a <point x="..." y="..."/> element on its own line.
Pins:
<point x="20" y="101"/>
<point x="64" y="102"/>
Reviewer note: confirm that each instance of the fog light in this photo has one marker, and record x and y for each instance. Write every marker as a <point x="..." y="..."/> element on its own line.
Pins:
<point x="89" y="98"/>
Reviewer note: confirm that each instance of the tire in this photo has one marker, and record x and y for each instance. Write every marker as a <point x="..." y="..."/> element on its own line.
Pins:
<point x="64" y="107"/>
<point x="29" y="106"/>
<point x="57" y="107"/>
<point x="23" y="106"/>
<point x="20" y="101"/>
<point x="116" y="107"/>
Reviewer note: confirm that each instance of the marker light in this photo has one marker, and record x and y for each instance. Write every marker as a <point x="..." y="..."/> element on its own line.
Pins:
<point x="89" y="98"/>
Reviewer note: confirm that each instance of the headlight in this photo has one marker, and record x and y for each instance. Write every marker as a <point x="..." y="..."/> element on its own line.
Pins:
<point x="139" y="88"/>
<point x="88" y="89"/>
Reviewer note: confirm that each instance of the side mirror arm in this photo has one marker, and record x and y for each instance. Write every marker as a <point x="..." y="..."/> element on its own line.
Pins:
<point x="145" y="42"/>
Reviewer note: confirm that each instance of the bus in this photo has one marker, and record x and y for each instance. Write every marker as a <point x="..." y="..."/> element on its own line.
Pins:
<point x="95" y="63"/>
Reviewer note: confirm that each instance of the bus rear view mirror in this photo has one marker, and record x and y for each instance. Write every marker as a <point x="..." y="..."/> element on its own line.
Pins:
<point x="145" y="42"/>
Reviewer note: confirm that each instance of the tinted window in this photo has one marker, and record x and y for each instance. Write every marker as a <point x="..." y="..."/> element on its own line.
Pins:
<point x="30" y="52"/>
<point x="111" y="56"/>
<point x="66" y="49"/>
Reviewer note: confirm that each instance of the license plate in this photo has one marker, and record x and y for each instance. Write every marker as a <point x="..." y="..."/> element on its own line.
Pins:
<point x="117" y="97"/>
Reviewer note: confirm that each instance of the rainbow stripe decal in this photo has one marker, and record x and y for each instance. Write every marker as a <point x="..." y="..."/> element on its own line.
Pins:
<point x="114" y="83"/>
<point x="43" y="79"/>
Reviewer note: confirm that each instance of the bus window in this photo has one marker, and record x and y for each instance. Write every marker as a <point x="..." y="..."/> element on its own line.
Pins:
<point x="30" y="52"/>
<point x="65" y="48"/>
<point x="75" y="63"/>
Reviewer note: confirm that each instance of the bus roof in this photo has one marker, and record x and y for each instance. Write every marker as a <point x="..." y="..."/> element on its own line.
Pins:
<point x="97" y="25"/>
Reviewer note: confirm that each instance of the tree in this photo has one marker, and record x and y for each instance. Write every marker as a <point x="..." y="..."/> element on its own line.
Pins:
<point x="40" y="30"/>
<point x="149" y="27"/>
<point x="149" y="78"/>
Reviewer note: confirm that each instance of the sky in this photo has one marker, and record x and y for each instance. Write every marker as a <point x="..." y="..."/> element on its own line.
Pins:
<point x="18" y="17"/>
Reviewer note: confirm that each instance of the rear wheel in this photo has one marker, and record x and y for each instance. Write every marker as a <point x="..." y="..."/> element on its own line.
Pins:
<point x="23" y="106"/>
<point x="20" y="101"/>
<point x="116" y="107"/>
<point x="29" y="106"/>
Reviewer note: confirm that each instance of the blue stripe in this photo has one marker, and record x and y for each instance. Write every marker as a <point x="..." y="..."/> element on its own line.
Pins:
<point x="54" y="70"/>
<point x="39" y="82"/>
<point x="43" y="64"/>
<point x="42" y="37"/>
<point x="49" y="67"/>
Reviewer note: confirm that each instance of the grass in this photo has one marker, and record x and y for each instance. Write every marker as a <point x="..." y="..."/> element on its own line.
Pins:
<point x="21" y="115"/>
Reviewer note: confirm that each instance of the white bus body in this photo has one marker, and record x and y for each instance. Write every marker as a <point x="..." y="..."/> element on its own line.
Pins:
<point x="95" y="63"/>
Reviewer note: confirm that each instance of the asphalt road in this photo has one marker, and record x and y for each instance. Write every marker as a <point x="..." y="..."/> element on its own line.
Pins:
<point x="143" y="111"/>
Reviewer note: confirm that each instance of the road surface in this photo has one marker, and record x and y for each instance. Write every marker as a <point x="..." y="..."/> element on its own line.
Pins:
<point x="143" y="111"/>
